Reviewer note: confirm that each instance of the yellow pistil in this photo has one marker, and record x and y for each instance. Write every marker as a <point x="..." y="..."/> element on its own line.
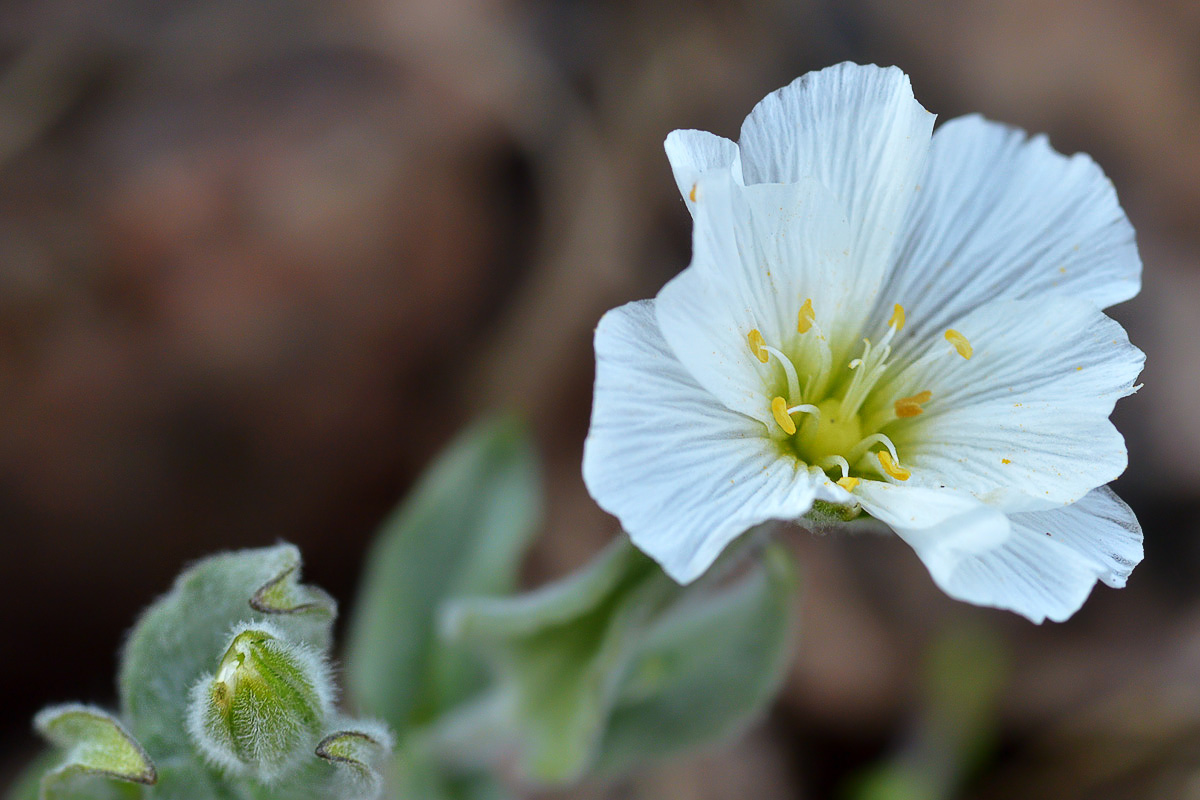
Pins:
<point x="891" y="467"/>
<point x="960" y="343"/>
<point x="911" y="406"/>
<point x="848" y="483"/>
<point x="804" y="319"/>
<point x="692" y="193"/>
<point x="757" y="345"/>
<point x="897" y="320"/>
<point x="779" y="409"/>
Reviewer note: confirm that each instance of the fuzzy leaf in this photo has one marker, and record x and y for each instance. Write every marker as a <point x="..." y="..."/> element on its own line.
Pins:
<point x="357" y="754"/>
<point x="183" y="634"/>
<point x="461" y="532"/>
<point x="560" y="653"/>
<point x="97" y="746"/>
<point x="705" y="670"/>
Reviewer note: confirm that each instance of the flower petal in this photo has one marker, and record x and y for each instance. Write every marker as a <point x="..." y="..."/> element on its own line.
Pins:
<point x="1100" y="527"/>
<point x="692" y="153"/>
<point x="1024" y="423"/>
<point x="758" y="253"/>
<point x="999" y="216"/>
<point x="859" y="131"/>
<point x="683" y="474"/>
<point x="976" y="554"/>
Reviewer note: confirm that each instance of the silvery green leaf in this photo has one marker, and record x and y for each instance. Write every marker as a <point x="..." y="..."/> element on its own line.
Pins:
<point x="560" y="654"/>
<point x="413" y="775"/>
<point x="706" y="669"/>
<point x="97" y="747"/>
<point x="357" y="752"/>
<point x="462" y="531"/>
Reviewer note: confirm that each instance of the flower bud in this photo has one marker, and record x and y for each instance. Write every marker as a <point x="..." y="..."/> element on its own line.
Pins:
<point x="265" y="706"/>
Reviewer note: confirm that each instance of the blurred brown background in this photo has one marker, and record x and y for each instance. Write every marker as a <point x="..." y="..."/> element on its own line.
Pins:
<point x="259" y="260"/>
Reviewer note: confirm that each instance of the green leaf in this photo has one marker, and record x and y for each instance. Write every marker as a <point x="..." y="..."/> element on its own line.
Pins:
<point x="560" y="653"/>
<point x="463" y="531"/>
<point x="415" y="776"/>
<point x="97" y="746"/>
<point x="357" y="753"/>
<point x="183" y="635"/>
<point x="706" y="669"/>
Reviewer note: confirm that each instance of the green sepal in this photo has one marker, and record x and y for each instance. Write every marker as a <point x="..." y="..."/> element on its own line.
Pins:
<point x="97" y="747"/>
<point x="183" y="634"/>
<point x="462" y="531"/>
<point x="357" y="754"/>
<point x="706" y="670"/>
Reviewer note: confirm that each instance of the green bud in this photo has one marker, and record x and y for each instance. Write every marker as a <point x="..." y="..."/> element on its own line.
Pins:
<point x="264" y="708"/>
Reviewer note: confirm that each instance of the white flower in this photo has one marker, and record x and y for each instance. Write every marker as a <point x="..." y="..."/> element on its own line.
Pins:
<point x="883" y="318"/>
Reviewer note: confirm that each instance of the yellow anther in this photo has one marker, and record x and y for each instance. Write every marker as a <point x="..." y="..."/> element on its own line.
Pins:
<point x="692" y="193"/>
<point x="848" y="483"/>
<point x="911" y="406"/>
<point x="960" y="343"/>
<point x="757" y="345"/>
<point x="897" y="320"/>
<point x="891" y="467"/>
<point x="779" y="409"/>
<point x="804" y="319"/>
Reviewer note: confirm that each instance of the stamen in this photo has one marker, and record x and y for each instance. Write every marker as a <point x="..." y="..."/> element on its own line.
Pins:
<point x="848" y="483"/>
<point x="891" y="467"/>
<point x="829" y="462"/>
<point x="757" y="345"/>
<point x="960" y="343"/>
<point x="861" y="448"/>
<point x="779" y="411"/>
<point x="897" y="320"/>
<point x="911" y="406"/>
<point x="805" y="408"/>
<point x="789" y="369"/>
<point x="692" y="193"/>
<point x="804" y="320"/>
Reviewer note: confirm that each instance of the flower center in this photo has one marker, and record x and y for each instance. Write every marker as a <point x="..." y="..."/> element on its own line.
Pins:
<point x="831" y="431"/>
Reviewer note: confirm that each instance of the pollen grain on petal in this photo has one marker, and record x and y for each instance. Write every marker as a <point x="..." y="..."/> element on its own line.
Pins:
<point x="911" y="406"/>
<point x="960" y="343"/>
<point x="848" y="483"/>
<point x="757" y="345"/>
<point x="897" y="320"/>
<point x="804" y="319"/>
<point x="779" y="409"/>
<point x="891" y="467"/>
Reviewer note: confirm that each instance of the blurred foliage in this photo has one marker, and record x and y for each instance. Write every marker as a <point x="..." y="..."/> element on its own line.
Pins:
<point x="260" y="260"/>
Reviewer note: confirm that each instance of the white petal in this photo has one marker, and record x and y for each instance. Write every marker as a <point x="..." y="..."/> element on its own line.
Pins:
<point x="974" y="553"/>
<point x="683" y="474"/>
<point x="1024" y="423"/>
<point x="1100" y="526"/>
<point x="1003" y="216"/>
<point x="692" y="153"/>
<point x="858" y="130"/>
<point x="758" y="253"/>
